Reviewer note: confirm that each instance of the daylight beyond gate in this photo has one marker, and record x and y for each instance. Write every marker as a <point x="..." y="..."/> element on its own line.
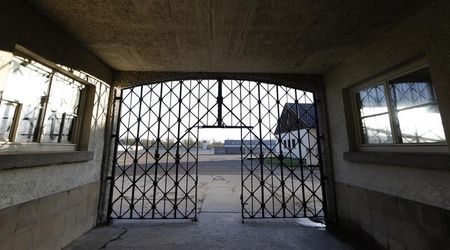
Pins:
<point x="155" y="168"/>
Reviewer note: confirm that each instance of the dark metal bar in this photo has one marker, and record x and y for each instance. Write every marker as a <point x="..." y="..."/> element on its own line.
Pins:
<point x="261" y="156"/>
<point x="113" y="170"/>
<point x="219" y="104"/>
<point x="242" y="154"/>
<point x="281" y="156"/>
<point x="143" y="192"/>
<point x="158" y="143"/>
<point x="302" y="180"/>
<point x="177" y="154"/>
<point x="167" y="152"/>
<point x="135" y="160"/>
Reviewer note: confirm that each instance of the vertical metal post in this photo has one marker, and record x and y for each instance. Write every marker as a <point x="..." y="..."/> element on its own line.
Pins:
<point x="114" y="165"/>
<point x="281" y="156"/>
<point x="242" y="152"/>
<point x="302" y="180"/>
<point x="219" y="104"/>
<point x="135" y="160"/>
<point x="261" y="157"/>
<point x="177" y="154"/>
<point x="158" y="143"/>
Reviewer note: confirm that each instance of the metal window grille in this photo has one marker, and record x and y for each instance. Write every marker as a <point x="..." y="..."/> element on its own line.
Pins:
<point x="155" y="161"/>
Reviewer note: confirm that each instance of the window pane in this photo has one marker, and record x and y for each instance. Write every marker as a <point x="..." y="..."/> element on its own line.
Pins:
<point x="7" y="111"/>
<point x="421" y="125"/>
<point x="371" y="101"/>
<point x="412" y="89"/>
<point x="69" y="123"/>
<point x="63" y="103"/>
<point x="27" y="83"/>
<point x="376" y="129"/>
<point x="28" y="125"/>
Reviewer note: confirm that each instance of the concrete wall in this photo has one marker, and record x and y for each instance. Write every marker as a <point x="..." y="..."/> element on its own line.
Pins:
<point x="23" y="25"/>
<point x="25" y="184"/>
<point x="426" y="32"/>
<point x="50" y="222"/>
<point x="27" y="194"/>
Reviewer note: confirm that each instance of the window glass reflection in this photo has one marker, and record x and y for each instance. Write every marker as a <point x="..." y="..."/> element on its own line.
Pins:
<point x="421" y="125"/>
<point x="27" y="84"/>
<point x="372" y="101"/>
<point x="416" y="108"/>
<point x="412" y="89"/>
<point x="7" y="111"/>
<point x="62" y="109"/>
<point x="376" y="129"/>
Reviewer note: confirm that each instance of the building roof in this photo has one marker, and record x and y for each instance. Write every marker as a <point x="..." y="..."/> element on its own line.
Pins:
<point x="304" y="113"/>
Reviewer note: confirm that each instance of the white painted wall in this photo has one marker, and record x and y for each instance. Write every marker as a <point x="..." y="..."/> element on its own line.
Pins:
<point x="307" y="150"/>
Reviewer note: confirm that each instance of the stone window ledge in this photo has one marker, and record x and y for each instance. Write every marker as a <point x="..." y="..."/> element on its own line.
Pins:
<point x="14" y="160"/>
<point x="419" y="160"/>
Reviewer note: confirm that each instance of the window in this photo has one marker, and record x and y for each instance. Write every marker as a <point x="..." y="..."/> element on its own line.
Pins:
<point x="38" y="104"/>
<point x="399" y="110"/>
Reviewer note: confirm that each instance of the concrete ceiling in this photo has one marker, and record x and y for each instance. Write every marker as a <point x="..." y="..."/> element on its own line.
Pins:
<point x="304" y="36"/>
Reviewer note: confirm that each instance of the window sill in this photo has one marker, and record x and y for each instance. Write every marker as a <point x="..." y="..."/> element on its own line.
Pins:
<point x="419" y="160"/>
<point x="14" y="160"/>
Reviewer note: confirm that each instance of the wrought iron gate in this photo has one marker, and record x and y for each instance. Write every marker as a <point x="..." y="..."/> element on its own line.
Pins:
<point x="155" y="164"/>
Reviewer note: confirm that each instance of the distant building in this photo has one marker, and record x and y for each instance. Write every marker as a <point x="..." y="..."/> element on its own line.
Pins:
<point x="298" y="133"/>
<point x="205" y="145"/>
<point x="235" y="146"/>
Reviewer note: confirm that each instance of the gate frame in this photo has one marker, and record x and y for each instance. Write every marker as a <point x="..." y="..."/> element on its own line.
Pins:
<point x="308" y="82"/>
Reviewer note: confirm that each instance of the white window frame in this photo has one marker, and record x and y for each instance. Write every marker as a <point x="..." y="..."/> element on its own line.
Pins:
<point x="384" y="79"/>
<point x="82" y="126"/>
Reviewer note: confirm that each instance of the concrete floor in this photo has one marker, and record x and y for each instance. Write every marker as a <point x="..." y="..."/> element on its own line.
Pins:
<point x="219" y="225"/>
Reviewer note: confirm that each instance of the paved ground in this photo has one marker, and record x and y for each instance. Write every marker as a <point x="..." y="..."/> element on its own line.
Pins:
<point x="219" y="224"/>
<point x="211" y="231"/>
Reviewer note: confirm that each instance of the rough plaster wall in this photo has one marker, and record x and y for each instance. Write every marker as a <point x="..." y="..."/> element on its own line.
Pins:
<point x="21" y="185"/>
<point x="427" y="32"/>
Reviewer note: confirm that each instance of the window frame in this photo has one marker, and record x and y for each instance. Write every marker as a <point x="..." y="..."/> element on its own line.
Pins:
<point x="356" y="138"/>
<point x="81" y="128"/>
